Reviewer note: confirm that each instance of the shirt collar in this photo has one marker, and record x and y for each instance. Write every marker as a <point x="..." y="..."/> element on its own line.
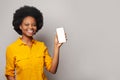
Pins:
<point x="20" y="42"/>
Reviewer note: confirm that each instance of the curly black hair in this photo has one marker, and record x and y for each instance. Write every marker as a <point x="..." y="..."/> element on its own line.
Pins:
<point x="23" y="12"/>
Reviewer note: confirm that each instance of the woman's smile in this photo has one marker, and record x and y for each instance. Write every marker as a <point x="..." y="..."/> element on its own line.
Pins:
<point x="28" y="26"/>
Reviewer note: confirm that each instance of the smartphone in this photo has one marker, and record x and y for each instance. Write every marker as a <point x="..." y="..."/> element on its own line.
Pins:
<point x="61" y="35"/>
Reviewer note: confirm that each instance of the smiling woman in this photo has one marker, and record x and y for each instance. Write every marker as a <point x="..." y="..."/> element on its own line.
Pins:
<point x="28" y="26"/>
<point x="24" y="12"/>
<point x="27" y="56"/>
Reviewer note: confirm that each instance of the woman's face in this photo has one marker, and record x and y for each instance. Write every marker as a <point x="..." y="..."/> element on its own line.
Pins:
<point x="28" y="26"/>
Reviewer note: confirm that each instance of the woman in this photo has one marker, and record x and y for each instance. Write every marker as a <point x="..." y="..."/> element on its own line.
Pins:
<point x="26" y="57"/>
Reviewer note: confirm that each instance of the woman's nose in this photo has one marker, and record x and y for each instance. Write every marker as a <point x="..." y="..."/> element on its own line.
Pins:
<point x="30" y="26"/>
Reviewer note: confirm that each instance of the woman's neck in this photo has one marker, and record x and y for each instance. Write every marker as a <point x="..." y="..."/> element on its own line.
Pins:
<point x="27" y="40"/>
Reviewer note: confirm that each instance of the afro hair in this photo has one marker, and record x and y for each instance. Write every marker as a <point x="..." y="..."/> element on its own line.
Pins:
<point x="23" y="12"/>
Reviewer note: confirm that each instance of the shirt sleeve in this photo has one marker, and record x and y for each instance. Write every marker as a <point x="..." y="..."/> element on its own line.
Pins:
<point x="10" y="67"/>
<point x="48" y="59"/>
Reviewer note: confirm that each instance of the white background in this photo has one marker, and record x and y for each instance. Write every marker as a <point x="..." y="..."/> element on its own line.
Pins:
<point x="92" y="51"/>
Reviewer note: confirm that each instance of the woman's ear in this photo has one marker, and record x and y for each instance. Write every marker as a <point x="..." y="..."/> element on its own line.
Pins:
<point x="20" y="27"/>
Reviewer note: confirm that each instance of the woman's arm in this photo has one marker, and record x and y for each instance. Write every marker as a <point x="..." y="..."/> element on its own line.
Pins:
<point x="10" y="66"/>
<point x="55" y="60"/>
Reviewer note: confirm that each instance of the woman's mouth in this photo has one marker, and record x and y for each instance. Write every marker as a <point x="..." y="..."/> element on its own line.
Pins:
<point x="30" y="31"/>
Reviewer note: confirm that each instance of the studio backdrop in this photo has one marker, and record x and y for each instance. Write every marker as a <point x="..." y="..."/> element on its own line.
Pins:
<point x="92" y="51"/>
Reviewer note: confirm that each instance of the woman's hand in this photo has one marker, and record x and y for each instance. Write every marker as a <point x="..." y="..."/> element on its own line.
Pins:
<point x="56" y="42"/>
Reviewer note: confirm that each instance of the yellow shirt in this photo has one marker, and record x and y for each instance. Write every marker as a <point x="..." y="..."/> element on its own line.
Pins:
<point x="27" y="63"/>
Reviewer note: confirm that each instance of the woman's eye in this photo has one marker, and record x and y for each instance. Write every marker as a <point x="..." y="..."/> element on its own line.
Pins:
<point x="26" y="24"/>
<point x="34" y="25"/>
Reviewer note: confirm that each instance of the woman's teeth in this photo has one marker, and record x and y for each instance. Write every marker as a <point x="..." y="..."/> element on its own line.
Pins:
<point x="30" y="31"/>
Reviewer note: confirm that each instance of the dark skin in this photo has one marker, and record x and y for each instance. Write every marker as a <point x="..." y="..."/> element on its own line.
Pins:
<point x="29" y="28"/>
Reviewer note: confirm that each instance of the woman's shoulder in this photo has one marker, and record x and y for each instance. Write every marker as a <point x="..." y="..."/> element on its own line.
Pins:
<point x="12" y="45"/>
<point x="40" y="43"/>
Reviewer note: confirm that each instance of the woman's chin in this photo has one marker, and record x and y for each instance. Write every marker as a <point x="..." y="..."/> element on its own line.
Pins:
<point x="30" y="34"/>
